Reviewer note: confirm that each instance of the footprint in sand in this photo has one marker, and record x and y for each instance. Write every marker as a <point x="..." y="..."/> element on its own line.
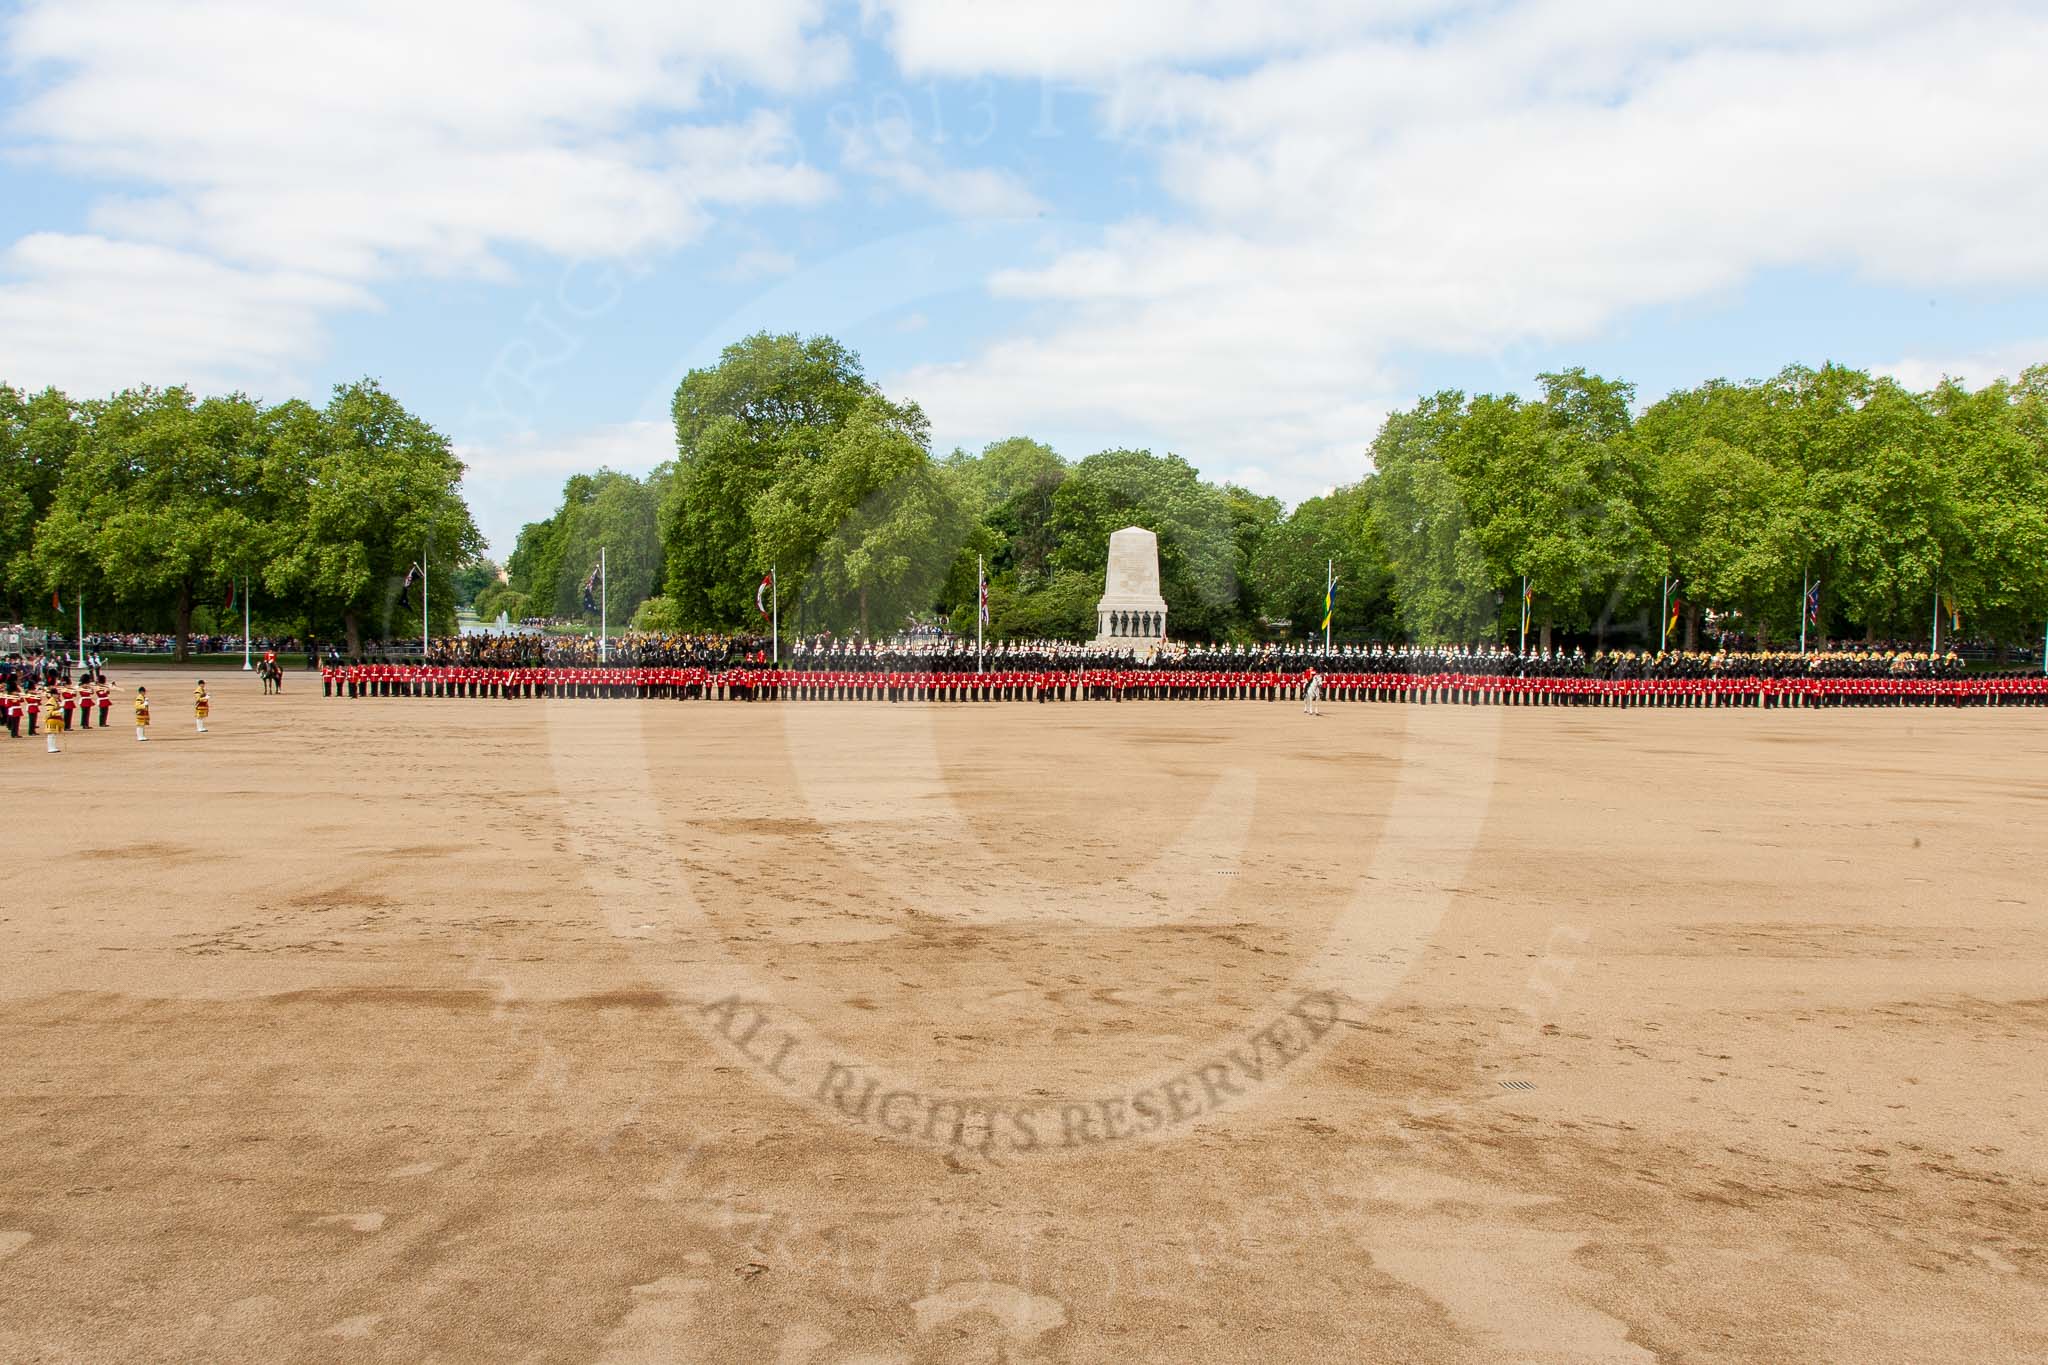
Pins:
<point x="13" y="1241"/>
<point x="360" y="1222"/>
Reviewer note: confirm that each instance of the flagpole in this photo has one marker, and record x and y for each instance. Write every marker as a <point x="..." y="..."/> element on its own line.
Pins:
<point x="980" y="607"/>
<point x="424" y="548"/>
<point x="1523" y="648"/>
<point x="81" y="630"/>
<point x="1934" y="645"/>
<point x="1805" y="596"/>
<point x="1329" y="591"/>
<point x="604" y="606"/>
<point x="1664" y="630"/>
<point x="245" y="623"/>
<point x="775" y="614"/>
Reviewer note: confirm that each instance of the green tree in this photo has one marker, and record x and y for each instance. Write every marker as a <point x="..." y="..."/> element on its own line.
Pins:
<point x="1548" y="490"/>
<point x="866" y="533"/>
<point x="500" y="599"/>
<point x="1995" y="564"/>
<point x="1253" y="517"/>
<point x="1442" y="583"/>
<point x="1062" y="607"/>
<point x="472" y="578"/>
<point x="619" y="515"/>
<point x="535" y="569"/>
<point x="1290" y="565"/>
<point x="1010" y="488"/>
<point x="156" y="504"/>
<point x="38" y="434"/>
<point x="1725" y="520"/>
<point x="657" y="616"/>
<point x="372" y="491"/>
<point x="1876" y="506"/>
<point x="746" y="426"/>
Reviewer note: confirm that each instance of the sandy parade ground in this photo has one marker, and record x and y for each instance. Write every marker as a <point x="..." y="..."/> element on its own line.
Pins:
<point x="813" y="1034"/>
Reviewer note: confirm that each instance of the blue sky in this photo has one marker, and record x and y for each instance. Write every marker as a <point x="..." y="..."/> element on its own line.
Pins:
<point x="1179" y="224"/>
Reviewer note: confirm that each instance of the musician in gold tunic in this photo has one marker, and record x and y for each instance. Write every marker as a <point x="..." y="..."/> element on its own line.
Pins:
<point x="53" y="717"/>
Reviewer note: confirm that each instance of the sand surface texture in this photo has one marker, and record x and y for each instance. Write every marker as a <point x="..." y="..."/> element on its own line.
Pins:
<point x="815" y="1035"/>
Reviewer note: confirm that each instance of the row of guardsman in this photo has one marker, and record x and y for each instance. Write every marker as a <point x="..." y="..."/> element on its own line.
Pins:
<point x="947" y="671"/>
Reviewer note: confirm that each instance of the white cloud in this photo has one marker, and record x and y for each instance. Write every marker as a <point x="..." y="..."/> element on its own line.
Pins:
<point x="1973" y="370"/>
<point x="508" y="483"/>
<point x="909" y="167"/>
<point x="1071" y="39"/>
<point x="94" y="315"/>
<point x="1350" y="195"/>
<point x="348" y="143"/>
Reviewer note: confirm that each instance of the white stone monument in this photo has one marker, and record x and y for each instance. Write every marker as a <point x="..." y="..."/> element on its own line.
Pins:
<point x="1131" y="614"/>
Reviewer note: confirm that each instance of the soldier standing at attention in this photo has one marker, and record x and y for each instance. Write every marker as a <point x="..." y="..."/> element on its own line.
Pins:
<point x="53" y="717"/>
<point x="142" y="713"/>
<point x="201" y="704"/>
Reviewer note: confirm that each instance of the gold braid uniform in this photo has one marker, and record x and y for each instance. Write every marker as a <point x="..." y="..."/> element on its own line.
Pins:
<point x="142" y="712"/>
<point x="199" y="702"/>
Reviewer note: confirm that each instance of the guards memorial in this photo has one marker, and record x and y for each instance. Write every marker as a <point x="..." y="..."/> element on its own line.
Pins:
<point x="1131" y="614"/>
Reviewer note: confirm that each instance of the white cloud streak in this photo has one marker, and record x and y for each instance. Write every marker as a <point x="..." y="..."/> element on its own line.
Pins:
<point x="1350" y="195"/>
<point x="908" y="167"/>
<point x="1973" y="370"/>
<point x="298" y="153"/>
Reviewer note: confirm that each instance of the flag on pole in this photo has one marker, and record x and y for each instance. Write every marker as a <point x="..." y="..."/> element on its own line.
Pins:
<point x="1671" y="621"/>
<point x="1955" y="617"/>
<point x="1329" y="601"/>
<point x="412" y="576"/>
<point x="56" y="602"/>
<point x="590" y="587"/>
<point x="1813" y="602"/>
<point x="761" y="593"/>
<point x="984" y="597"/>
<point x="229" y="605"/>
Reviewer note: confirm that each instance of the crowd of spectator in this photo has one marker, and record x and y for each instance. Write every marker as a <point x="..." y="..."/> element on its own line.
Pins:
<point x="150" y="642"/>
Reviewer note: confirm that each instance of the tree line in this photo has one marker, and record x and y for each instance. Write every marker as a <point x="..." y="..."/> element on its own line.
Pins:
<point x="157" y="509"/>
<point x="1729" y="497"/>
